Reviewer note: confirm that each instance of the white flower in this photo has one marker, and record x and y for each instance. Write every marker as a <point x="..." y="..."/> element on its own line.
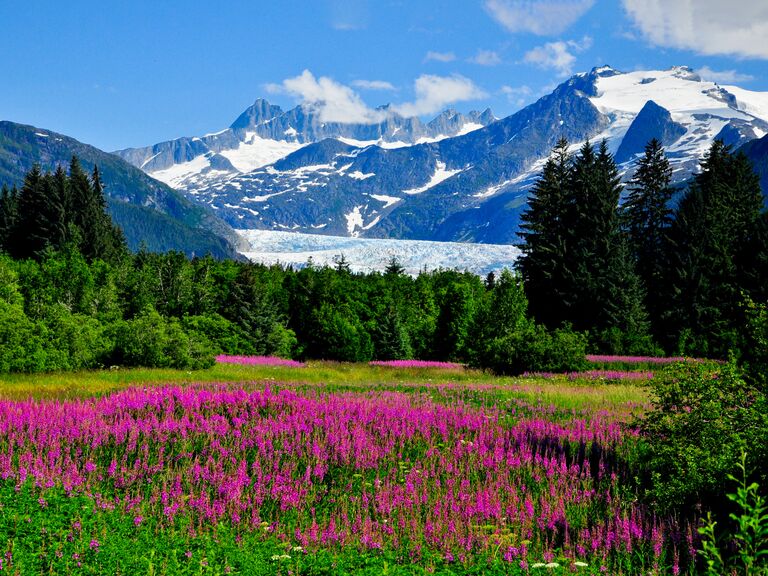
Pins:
<point x="552" y="565"/>
<point x="580" y="564"/>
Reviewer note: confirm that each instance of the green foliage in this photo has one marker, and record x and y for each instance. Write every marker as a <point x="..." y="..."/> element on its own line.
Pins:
<point x="341" y="335"/>
<point x="711" y="255"/>
<point x="224" y="336"/>
<point x="536" y="349"/>
<point x="703" y="417"/>
<point x="55" y="210"/>
<point x="75" y="341"/>
<point x="750" y="535"/>
<point x="152" y="340"/>
<point x="21" y="341"/>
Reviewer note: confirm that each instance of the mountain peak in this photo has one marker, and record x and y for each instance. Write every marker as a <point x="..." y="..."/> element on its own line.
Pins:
<point x="685" y="73"/>
<point x="604" y="71"/>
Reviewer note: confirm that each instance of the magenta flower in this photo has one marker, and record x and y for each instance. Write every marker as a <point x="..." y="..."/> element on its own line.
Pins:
<point x="258" y="361"/>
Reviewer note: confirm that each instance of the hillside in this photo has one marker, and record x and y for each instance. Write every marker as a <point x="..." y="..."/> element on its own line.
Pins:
<point x="150" y="213"/>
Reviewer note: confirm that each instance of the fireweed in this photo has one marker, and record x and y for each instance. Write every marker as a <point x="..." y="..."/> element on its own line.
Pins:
<point x="259" y="361"/>
<point x="369" y="471"/>
<point x="415" y="364"/>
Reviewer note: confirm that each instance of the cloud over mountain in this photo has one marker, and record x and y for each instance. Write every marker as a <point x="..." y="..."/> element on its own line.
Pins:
<point x="705" y="26"/>
<point x="541" y="17"/>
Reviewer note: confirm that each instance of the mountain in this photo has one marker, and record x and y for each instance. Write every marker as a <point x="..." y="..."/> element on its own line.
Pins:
<point x="264" y="133"/>
<point x="355" y="180"/>
<point x="757" y="152"/>
<point x="150" y="213"/>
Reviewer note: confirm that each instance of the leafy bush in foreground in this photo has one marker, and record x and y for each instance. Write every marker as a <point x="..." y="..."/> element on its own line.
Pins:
<point x="703" y="417"/>
<point x="152" y="340"/>
<point x="537" y="349"/>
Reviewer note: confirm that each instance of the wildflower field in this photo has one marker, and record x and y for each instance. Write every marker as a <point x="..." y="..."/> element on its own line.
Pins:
<point x="324" y="469"/>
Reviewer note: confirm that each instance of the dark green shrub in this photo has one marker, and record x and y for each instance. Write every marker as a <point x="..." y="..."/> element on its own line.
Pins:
<point x="153" y="341"/>
<point x="21" y="341"/>
<point x="703" y="417"/>
<point x="618" y="342"/>
<point x="341" y="336"/>
<point x="535" y="349"/>
<point x="225" y="336"/>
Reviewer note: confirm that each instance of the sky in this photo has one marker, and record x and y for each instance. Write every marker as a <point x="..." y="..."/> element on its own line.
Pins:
<point x="120" y="74"/>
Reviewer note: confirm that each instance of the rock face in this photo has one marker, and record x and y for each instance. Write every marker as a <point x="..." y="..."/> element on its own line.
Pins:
<point x="264" y="133"/>
<point x="457" y="177"/>
<point x="148" y="211"/>
<point x="757" y="152"/>
<point x="653" y="121"/>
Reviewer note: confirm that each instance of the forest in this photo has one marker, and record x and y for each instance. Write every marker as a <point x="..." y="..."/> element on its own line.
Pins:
<point x="650" y="269"/>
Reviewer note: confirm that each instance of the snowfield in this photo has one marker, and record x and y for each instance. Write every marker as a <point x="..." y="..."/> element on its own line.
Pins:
<point x="369" y="254"/>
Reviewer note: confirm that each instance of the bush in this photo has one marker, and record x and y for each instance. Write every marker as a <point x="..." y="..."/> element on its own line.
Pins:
<point x="153" y="341"/>
<point x="341" y="336"/>
<point x="75" y="341"/>
<point x="282" y="342"/>
<point x="703" y="417"/>
<point x="535" y="349"/>
<point x="21" y="341"/>
<point x="226" y="337"/>
<point x="749" y="535"/>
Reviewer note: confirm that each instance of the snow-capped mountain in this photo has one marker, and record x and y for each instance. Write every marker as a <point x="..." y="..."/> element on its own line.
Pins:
<point x="264" y="133"/>
<point x="404" y="179"/>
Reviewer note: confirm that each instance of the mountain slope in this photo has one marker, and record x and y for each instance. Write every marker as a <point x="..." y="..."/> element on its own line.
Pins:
<point x="468" y="187"/>
<point x="757" y="152"/>
<point x="264" y="133"/>
<point x="149" y="212"/>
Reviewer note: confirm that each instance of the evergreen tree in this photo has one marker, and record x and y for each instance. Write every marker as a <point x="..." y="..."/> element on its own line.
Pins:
<point x="575" y="263"/>
<point x="29" y="236"/>
<point x="8" y="215"/>
<point x="714" y="224"/>
<point x="647" y="218"/>
<point x="394" y="267"/>
<point x="545" y="239"/>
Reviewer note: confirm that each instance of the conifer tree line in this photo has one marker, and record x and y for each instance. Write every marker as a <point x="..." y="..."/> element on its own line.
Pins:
<point x="54" y="210"/>
<point x="648" y="268"/>
<point x="662" y="269"/>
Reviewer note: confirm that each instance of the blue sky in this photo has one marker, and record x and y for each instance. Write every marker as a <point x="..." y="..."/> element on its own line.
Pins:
<point x="119" y="74"/>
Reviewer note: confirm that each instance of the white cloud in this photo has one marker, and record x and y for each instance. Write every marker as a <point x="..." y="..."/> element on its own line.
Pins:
<point x="373" y="85"/>
<point x="333" y="102"/>
<point x="517" y="95"/>
<point x="704" y="26"/>
<point x="486" y="58"/>
<point x="541" y="17"/>
<point x="723" y="76"/>
<point x="440" y="56"/>
<point x="433" y="93"/>
<point x="558" y="55"/>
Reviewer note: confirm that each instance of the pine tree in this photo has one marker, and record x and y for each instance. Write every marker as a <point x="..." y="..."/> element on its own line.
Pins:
<point x="543" y="230"/>
<point x="575" y="264"/>
<point x="8" y="214"/>
<point x="29" y="236"/>
<point x="647" y="218"/>
<point x="714" y="223"/>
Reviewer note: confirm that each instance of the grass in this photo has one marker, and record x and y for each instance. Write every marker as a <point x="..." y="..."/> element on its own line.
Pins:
<point x="332" y="376"/>
<point x="55" y="532"/>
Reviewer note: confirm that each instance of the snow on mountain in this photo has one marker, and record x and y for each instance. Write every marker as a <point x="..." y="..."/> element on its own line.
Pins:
<point x="440" y="174"/>
<point x="456" y="178"/>
<point x="703" y="108"/>
<point x="368" y="255"/>
<point x="264" y="133"/>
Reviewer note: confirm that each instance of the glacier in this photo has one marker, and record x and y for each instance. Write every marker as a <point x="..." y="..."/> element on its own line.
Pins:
<point x="372" y="255"/>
